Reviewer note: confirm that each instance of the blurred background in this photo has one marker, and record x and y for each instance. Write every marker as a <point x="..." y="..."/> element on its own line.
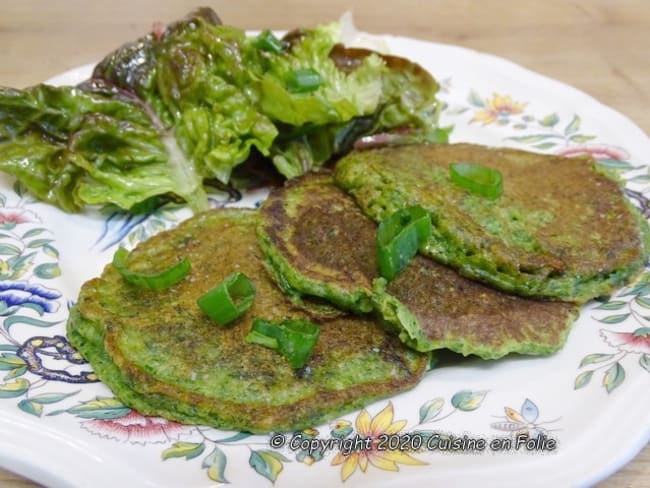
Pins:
<point x="598" y="46"/>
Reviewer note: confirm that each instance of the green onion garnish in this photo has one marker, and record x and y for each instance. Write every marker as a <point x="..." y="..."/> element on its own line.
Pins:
<point x="303" y="80"/>
<point x="228" y="300"/>
<point x="293" y="338"/>
<point x="155" y="281"/>
<point x="399" y="237"/>
<point x="478" y="179"/>
<point x="266" y="41"/>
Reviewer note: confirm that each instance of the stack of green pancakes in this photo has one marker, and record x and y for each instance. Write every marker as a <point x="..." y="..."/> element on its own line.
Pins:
<point x="496" y="277"/>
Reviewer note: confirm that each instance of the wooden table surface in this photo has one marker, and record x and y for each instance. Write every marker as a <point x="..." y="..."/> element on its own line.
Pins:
<point x="598" y="46"/>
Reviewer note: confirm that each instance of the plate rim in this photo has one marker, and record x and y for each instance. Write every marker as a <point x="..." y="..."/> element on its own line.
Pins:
<point x="42" y="475"/>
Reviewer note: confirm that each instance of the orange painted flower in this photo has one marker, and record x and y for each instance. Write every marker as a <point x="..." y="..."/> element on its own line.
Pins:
<point x="499" y="107"/>
<point x="373" y="428"/>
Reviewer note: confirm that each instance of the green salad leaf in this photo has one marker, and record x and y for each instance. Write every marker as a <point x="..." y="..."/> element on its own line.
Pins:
<point x="184" y="106"/>
<point x="71" y="147"/>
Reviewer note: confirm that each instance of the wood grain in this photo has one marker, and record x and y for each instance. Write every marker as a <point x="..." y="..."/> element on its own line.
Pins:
<point x="598" y="46"/>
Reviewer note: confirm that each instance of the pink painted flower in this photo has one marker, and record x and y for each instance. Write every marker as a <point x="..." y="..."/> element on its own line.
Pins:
<point x="17" y="216"/>
<point x="137" y="429"/>
<point x="597" y="151"/>
<point x="636" y="342"/>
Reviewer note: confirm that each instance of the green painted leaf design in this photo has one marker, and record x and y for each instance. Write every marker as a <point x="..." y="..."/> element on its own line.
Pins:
<point x="50" y="251"/>
<point x="48" y="398"/>
<point x="100" y="408"/>
<point x="15" y="373"/>
<point x="640" y="179"/>
<point x="5" y="310"/>
<point x="425" y="434"/>
<point x="583" y="380"/>
<point x="14" y="389"/>
<point x="155" y="225"/>
<point x="456" y="110"/>
<point x="615" y="164"/>
<point x="550" y="120"/>
<point x="39" y="243"/>
<point x="33" y="232"/>
<point x="614" y="319"/>
<point x="431" y="409"/>
<point x="636" y="290"/>
<point x="475" y="99"/>
<point x="10" y="361"/>
<point x="18" y="265"/>
<point x="643" y="301"/>
<point x="8" y="347"/>
<point x="545" y="145"/>
<point x="47" y="271"/>
<point x="267" y="463"/>
<point x="215" y="463"/>
<point x="31" y="407"/>
<point x="467" y="400"/>
<point x="9" y="250"/>
<point x="644" y="361"/>
<point x="532" y="139"/>
<point x="167" y="213"/>
<point x="21" y="319"/>
<point x="188" y="450"/>
<point x="137" y="235"/>
<point x="581" y="138"/>
<point x="18" y="188"/>
<point x="35" y="307"/>
<point x="342" y="430"/>
<point x="595" y="358"/>
<point x="3" y="200"/>
<point x="573" y="126"/>
<point x="234" y="438"/>
<point x="613" y="305"/>
<point x="614" y="377"/>
<point x="644" y="278"/>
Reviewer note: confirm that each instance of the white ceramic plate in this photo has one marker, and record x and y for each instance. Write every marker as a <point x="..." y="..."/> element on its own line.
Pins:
<point x="592" y="398"/>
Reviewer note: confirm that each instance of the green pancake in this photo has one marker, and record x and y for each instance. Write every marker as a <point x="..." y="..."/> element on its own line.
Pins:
<point x="161" y="355"/>
<point x="304" y="237"/>
<point x="319" y="243"/>
<point x="561" y="229"/>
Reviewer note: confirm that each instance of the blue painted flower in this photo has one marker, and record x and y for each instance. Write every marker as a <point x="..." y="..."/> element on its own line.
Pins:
<point x="15" y="294"/>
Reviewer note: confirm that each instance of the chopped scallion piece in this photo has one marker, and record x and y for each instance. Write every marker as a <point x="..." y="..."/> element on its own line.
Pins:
<point x="266" y="41"/>
<point x="478" y="179"/>
<point x="293" y="338"/>
<point x="228" y="300"/>
<point x="303" y="80"/>
<point x="154" y="281"/>
<point x="260" y="339"/>
<point x="399" y="237"/>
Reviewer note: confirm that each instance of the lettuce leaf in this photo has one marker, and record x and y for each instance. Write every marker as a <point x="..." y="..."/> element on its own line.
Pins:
<point x="70" y="147"/>
<point x="363" y="93"/>
<point x="189" y="104"/>
<point x="200" y="79"/>
<point x="341" y="97"/>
